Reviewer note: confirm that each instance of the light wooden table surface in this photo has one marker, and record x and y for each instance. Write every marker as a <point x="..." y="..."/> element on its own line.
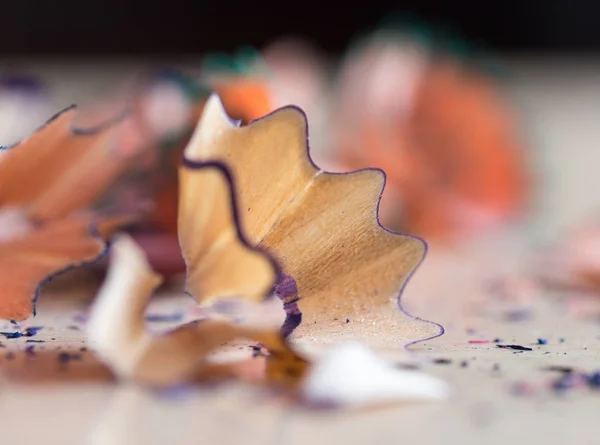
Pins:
<point x="45" y="402"/>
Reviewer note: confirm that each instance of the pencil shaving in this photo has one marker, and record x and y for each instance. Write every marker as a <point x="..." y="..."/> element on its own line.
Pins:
<point x="323" y="228"/>
<point x="248" y="195"/>
<point x="48" y="182"/>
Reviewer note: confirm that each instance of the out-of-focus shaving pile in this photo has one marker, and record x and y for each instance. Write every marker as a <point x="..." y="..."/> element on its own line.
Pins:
<point x="222" y="187"/>
<point x="429" y="113"/>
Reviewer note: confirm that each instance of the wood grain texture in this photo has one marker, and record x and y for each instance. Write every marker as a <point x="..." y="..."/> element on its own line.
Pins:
<point x="321" y="227"/>
<point x="220" y="263"/>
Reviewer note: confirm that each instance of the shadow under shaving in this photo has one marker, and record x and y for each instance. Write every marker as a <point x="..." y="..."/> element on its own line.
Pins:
<point x="52" y="365"/>
<point x="63" y="364"/>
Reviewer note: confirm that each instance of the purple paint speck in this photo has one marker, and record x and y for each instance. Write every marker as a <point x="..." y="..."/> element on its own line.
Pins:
<point x="65" y="357"/>
<point x="519" y="315"/>
<point x="164" y="318"/>
<point x="287" y="291"/>
<point x="292" y="321"/>
<point x="21" y="82"/>
<point x="257" y="350"/>
<point x="593" y="380"/>
<point x="80" y="318"/>
<point x="176" y="392"/>
<point x="286" y="288"/>
<point x="568" y="381"/>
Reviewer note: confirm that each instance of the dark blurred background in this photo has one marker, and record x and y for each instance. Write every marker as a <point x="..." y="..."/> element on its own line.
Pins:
<point x="179" y="26"/>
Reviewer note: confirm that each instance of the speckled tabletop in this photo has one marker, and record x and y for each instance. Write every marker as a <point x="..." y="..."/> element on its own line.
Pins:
<point x="499" y="395"/>
<point x="58" y="393"/>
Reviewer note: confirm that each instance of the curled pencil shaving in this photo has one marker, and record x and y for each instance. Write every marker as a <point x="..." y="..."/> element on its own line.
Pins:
<point x="66" y="168"/>
<point x="47" y="182"/>
<point x="234" y="213"/>
<point x="426" y="118"/>
<point x="27" y="260"/>
<point x="322" y="229"/>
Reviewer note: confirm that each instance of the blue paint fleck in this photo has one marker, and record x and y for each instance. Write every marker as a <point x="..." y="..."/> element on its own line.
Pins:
<point x="28" y="332"/>
<point x="594" y="380"/>
<point x="31" y="331"/>
<point x="515" y="347"/>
